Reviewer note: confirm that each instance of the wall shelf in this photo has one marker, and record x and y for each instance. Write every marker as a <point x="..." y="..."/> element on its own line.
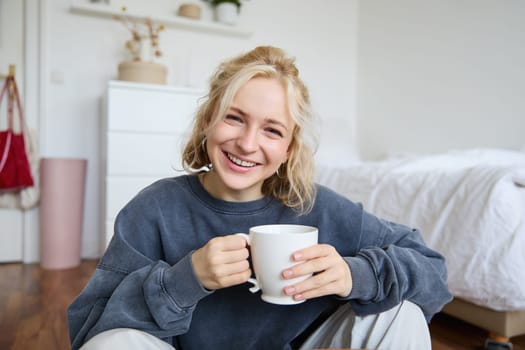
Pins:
<point x="104" y="10"/>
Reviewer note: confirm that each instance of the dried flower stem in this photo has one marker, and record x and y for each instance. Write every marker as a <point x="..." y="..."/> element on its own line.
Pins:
<point x="141" y="30"/>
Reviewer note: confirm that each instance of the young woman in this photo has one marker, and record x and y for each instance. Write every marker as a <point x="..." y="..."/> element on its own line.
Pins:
<point x="175" y="273"/>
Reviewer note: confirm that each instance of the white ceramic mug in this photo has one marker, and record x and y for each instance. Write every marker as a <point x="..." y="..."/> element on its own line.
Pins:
<point x="271" y="248"/>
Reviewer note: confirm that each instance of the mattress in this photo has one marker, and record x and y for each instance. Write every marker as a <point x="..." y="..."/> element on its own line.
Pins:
<point x="469" y="206"/>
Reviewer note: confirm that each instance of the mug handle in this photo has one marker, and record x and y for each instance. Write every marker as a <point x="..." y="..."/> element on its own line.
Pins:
<point x="256" y="287"/>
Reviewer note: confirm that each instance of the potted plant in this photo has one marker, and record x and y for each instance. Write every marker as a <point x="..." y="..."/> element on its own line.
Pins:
<point x="226" y="11"/>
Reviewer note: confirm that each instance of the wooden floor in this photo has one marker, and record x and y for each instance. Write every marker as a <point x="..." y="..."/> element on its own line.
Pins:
<point x="33" y="306"/>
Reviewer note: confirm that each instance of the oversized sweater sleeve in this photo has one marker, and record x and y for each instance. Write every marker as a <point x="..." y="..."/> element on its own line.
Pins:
<point x="393" y="264"/>
<point x="132" y="287"/>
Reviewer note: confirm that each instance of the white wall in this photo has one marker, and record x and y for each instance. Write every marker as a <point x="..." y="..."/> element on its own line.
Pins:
<point x="440" y="74"/>
<point x="82" y="54"/>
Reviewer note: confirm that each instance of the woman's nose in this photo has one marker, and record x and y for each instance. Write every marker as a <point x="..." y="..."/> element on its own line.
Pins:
<point x="248" y="140"/>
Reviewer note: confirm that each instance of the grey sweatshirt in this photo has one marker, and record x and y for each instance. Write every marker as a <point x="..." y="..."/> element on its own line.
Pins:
<point x="145" y="280"/>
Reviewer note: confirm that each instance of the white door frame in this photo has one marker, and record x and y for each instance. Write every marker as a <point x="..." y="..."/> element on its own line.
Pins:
<point x="11" y="52"/>
<point x="35" y="56"/>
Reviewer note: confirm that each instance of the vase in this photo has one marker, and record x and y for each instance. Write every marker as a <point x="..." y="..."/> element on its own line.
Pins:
<point x="227" y="13"/>
<point x="142" y="72"/>
<point x="62" y="183"/>
<point x="146" y="50"/>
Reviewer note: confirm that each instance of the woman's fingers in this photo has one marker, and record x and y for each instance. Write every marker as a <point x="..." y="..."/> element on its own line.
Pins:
<point x="225" y="250"/>
<point x="315" y="259"/>
<point x="331" y="273"/>
<point x="314" y="251"/>
<point x="224" y="270"/>
<point x="222" y="262"/>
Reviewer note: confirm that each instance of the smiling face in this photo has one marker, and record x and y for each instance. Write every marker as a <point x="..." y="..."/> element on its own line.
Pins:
<point x="250" y="142"/>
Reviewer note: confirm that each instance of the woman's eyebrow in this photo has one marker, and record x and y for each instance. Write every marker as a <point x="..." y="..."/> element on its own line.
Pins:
<point x="238" y="110"/>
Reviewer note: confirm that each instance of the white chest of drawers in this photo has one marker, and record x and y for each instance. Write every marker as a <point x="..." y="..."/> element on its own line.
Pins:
<point x="143" y="132"/>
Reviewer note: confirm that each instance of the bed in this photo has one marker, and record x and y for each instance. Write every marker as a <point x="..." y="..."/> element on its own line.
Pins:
<point x="470" y="206"/>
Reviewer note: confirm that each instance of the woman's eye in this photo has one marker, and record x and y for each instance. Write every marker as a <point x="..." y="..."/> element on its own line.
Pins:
<point x="275" y="132"/>
<point x="233" y="118"/>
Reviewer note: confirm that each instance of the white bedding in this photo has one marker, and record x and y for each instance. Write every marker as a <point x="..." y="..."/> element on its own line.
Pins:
<point x="469" y="205"/>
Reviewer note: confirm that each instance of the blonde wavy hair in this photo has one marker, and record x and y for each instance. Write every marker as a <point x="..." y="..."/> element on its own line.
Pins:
<point x="293" y="183"/>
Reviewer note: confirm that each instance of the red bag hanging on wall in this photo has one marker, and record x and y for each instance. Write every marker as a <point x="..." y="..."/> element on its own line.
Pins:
<point x="15" y="173"/>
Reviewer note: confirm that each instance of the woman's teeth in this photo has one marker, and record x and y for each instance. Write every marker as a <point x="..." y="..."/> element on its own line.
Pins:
<point x="240" y="162"/>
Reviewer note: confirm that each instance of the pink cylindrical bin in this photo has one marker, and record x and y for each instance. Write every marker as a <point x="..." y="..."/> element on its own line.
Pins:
<point x="62" y="185"/>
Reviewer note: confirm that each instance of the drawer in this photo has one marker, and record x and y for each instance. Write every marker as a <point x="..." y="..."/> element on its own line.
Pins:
<point x="143" y="154"/>
<point x="144" y="132"/>
<point x="150" y="111"/>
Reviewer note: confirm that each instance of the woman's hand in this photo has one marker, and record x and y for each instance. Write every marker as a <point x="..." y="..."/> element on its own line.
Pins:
<point x="222" y="262"/>
<point x="331" y="274"/>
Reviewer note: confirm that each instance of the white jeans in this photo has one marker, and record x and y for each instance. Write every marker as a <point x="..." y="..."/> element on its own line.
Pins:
<point x="401" y="328"/>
